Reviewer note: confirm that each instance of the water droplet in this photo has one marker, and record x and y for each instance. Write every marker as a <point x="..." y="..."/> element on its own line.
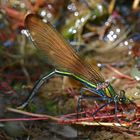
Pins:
<point x="118" y="30"/>
<point x="76" y="14"/>
<point x="126" y="43"/>
<point x="115" y="36"/>
<point x="43" y="13"/>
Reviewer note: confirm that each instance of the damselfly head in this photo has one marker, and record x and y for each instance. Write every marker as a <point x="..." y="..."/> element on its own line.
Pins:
<point x="121" y="97"/>
<point x="127" y="106"/>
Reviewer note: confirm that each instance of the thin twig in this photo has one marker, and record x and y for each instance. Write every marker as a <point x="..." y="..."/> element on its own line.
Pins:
<point x="119" y="73"/>
<point x="101" y="123"/>
<point x="32" y="114"/>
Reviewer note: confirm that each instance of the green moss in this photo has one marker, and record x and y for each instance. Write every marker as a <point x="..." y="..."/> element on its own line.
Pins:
<point x="51" y="107"/>
<point x="33" y="107"/>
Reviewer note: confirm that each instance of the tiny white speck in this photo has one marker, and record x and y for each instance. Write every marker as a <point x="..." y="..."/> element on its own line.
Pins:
<point x="111" y="32"/>
<point x="100" y="7"/>
<point x="130" y="52"/>
<point x="108" y="36"/>
<point x="113" y="78"/>
<point x="82" y="19"/>
<point x="118" y="30"/>
<point x="136" y="94"/>
<point x="137" y="78"/>
<point x="76" y="13"/>
<point x="49" y="15"/>
<point x="45" y="20"/>
<point x="25" y="32"/>
<point x="70" y="30"/>
<point x="126" y="43"/>
<point x="22" y="5"/>
<point x="43" y="13"/>
<point x="99" y="64"/>
<point x="106" y="23"/>
<point x="114" y="36"/>
<point x="74" y="31"/>
<point x="72" y="7"/>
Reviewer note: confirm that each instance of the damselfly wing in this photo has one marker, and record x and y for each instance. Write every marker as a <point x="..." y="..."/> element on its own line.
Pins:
<point x="46" y="38"/>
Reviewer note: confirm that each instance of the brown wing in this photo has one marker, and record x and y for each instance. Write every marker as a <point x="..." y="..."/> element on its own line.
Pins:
<point x="46" y="38"/>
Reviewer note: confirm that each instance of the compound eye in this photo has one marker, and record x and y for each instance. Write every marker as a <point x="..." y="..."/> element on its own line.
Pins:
<point x="122" y="93"/>
<point x="122" y="97"/>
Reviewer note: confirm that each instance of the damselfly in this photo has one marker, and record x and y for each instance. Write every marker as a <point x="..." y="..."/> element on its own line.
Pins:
<point x="68" y="63"/>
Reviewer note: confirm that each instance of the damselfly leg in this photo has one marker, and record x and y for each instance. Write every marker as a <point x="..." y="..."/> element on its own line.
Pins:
<point x="96" y="108"/>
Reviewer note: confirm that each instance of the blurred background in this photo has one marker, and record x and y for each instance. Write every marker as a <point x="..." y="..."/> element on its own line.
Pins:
<point x="105" y="33"/>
